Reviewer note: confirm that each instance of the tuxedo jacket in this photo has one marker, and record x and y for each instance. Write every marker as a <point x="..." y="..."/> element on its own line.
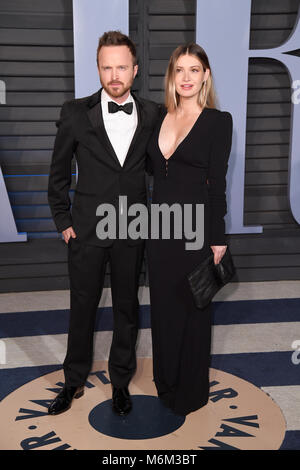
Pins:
<point x="101" y="178"/>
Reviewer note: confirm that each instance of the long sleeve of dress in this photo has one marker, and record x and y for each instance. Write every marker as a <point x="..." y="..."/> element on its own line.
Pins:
<point x="217" y="170"/>
<point x="60" y="172"/>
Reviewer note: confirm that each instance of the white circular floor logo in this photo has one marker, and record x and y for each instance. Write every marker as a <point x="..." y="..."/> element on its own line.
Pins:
<point x="237" y="416"/>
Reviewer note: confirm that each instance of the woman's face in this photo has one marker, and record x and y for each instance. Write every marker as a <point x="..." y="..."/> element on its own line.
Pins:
<point x="189" y="76"/>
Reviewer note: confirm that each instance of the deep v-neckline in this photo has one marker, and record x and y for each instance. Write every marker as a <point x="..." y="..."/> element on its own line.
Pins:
<point x="189" y="132"/>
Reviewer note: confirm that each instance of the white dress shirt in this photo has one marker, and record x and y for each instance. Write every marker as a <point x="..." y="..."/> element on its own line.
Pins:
<point x="120" y="127"/>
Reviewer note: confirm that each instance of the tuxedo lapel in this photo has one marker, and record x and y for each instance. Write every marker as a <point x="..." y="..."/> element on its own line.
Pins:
<point x="96" y="119"/>
<point x="140" y="125"/>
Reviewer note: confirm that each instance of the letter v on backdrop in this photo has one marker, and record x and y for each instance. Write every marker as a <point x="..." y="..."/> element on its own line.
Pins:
<point x="223" y="30"/>
<point x="8" y="229"/>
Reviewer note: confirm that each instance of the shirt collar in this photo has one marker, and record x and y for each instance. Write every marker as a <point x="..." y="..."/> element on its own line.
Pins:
<point x="105" y="98"/>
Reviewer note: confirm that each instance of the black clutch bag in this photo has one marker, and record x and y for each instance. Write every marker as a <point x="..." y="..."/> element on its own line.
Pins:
<point x="208" y="278"/>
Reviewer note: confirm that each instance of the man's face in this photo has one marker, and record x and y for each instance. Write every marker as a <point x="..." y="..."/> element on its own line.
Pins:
<point x="116" y="70"/>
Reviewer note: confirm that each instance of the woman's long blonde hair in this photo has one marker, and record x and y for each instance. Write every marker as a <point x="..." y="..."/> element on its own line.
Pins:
<point x="207" y="96"/>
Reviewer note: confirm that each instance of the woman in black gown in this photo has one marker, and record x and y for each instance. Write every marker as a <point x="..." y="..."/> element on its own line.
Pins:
<point x="188" y="158"/>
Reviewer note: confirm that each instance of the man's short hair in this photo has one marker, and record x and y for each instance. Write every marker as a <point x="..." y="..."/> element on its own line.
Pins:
<point x="116" y="38"/>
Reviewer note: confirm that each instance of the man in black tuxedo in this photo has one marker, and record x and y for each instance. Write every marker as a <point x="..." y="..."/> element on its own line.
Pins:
<point x="108" y="133"/>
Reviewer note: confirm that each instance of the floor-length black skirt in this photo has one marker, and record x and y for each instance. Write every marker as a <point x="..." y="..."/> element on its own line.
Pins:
<point x="181" y="332"/>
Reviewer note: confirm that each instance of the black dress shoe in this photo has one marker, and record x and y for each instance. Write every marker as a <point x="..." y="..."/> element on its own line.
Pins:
<point x="121" y="401"/>
<point x="64" y="399"/>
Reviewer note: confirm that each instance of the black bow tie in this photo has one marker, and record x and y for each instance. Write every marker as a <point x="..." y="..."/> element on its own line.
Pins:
<point x="114" y="107"/>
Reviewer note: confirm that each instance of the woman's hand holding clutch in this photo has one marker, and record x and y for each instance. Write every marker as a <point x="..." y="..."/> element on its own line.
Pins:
<point x="219" y="252"/>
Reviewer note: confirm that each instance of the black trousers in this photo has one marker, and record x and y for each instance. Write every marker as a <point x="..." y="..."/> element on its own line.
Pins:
<point x="87" y="266"/>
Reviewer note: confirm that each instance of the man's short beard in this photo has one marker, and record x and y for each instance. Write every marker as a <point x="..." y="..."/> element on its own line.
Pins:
<point x="117" y="93"/>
